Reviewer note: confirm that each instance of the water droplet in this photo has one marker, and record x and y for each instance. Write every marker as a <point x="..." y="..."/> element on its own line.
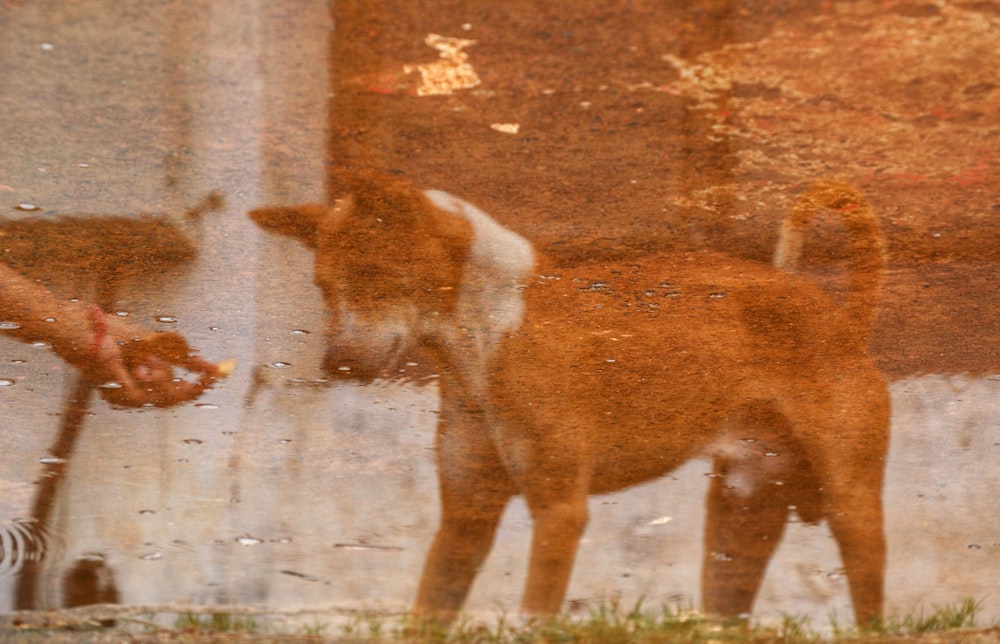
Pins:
<point x="770" y="453"/>
<point x="49" y="320"/>
<point x="121" y="314"/>
<point x="166" y="319"/>
<point x="47" y="46"/>
<point x="280" y="365"/>
<point x="111" y="385"/>
<point x="365" y="546"/>
<point x="284" y="441"/>
<point x="975" y="546"/>
<point x="247" y="540"/>
<point x="192" y="441"/>
<point x="206" y="406"/>
<point x="9" y="326"/>
<point x="51" y="460"/>
<point x="660" y="521"/>
<point x="83" y="165"/>
<point x="716" y="296"/>
<point x="17" y="361"/>
<point x="26" y="207"/>
<point x="299" y="332"/>
<point x="6" y="382"/>
<point x="151" y="556"/>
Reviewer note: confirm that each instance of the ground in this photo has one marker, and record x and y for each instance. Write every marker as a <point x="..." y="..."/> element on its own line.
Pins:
<point x="612" y="130"/>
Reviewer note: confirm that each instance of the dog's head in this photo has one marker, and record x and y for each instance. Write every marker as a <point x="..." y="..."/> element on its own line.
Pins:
<point x="389" y="265"/>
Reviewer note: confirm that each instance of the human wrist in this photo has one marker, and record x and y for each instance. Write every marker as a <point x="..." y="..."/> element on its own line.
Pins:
<point x="99" y="327"/>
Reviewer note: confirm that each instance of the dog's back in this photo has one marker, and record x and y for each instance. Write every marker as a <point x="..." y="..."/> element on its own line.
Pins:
<point x="661" y="352"/>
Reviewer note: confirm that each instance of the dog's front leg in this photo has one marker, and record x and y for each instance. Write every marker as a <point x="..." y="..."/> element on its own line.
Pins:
<point x="559" y="522"/>
<point x="474" y="490"/>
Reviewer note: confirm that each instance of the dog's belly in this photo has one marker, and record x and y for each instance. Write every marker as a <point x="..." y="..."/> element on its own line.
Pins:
<point x="623" y="408"/>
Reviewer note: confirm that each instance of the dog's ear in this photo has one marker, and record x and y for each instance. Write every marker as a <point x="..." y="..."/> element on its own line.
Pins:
<point x="299" y="222"/>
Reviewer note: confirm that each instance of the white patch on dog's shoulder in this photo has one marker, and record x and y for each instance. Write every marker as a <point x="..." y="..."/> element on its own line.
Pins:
<point x="500" y="261"/>
<point x="496" y="247"/>
<point x="490" y="301"/>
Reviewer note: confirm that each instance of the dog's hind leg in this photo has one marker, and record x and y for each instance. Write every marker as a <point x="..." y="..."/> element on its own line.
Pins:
<point x="848" y="448"/>
<point x="756" y="472"/>
<point x="861" y="538"/>
<point x="742" y="530"/>
<point x="854" y="510"/>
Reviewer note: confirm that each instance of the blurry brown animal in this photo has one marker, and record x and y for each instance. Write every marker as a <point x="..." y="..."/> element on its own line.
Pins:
<point x="565" y="383"/>
<point x="95" y="257"/>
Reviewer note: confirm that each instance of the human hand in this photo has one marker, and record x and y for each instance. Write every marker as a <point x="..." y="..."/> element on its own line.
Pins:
<point x="136" y="368"/>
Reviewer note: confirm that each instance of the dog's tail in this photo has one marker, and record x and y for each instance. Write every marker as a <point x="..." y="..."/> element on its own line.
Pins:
<point x="867" y="244"/>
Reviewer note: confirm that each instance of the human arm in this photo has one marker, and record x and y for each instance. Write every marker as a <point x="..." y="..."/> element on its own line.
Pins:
<point x="105" y="348"/>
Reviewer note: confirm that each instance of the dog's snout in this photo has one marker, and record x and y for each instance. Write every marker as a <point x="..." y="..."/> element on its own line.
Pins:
<point x="374" y="357"/>
<point x="344" y="361"/>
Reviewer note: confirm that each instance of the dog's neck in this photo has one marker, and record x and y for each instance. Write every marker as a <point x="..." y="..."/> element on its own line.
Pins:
<point x="489" y="301"/>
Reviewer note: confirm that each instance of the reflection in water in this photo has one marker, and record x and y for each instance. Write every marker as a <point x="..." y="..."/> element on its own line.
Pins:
<point x="90" y="582"/>
<point x="642" y="126"/>
<point x="22" y="543"/>
<point x="96" y="259"/>
<point x="562" y="383"/>
<point x="50" y="483"/>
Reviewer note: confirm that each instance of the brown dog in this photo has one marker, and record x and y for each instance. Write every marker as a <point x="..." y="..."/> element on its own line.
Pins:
<point x="574" y="382"/>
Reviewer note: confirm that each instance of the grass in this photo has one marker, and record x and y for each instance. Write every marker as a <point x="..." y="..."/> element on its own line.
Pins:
<point x="958" y="617"/>
<point x="608" y="623"/>
<point x="216" y="623"/>
<point x="612" y="624"/>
